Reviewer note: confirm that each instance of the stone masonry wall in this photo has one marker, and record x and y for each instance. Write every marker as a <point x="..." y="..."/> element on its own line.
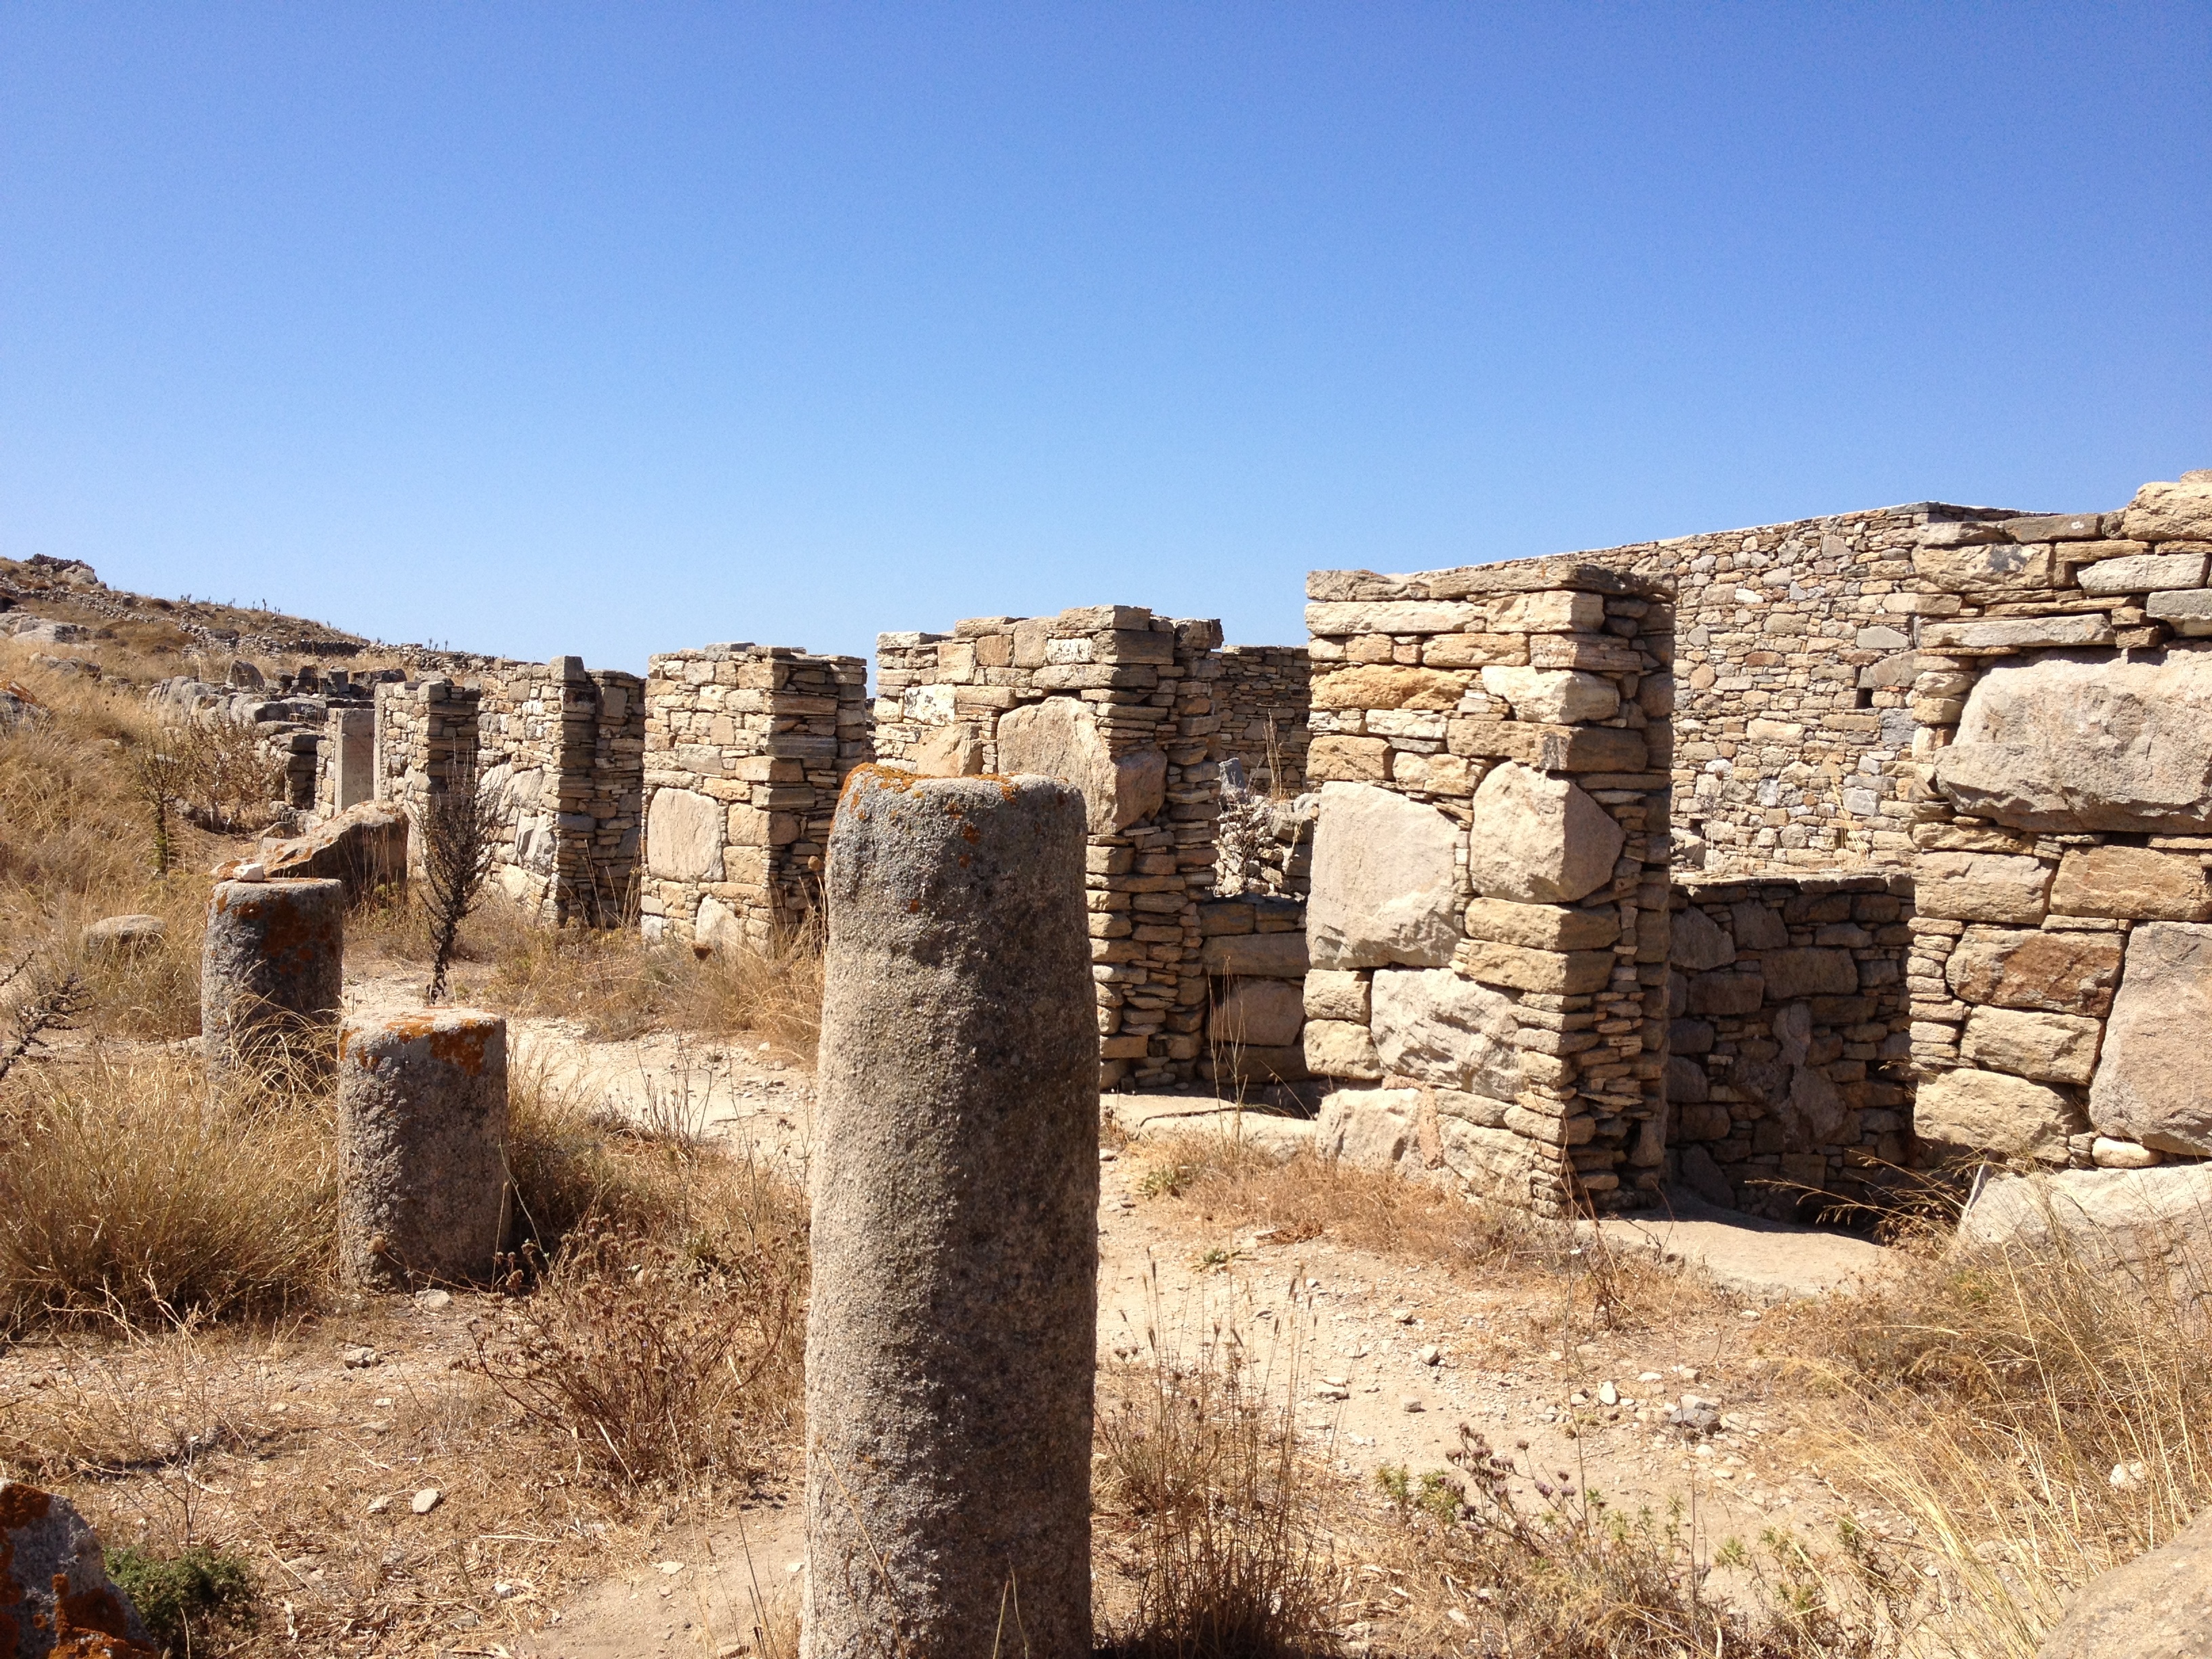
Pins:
<point x="746" y="748"/>
<point x="1789" y="1075"/>
<point x="426" y="734"/>
<point x="1488" y="927"/>
<point x="1122" y="703"/>
<point x="2061" y="969"/>
<point x="1256" y="971"/>
<point x="1265" y="695"/>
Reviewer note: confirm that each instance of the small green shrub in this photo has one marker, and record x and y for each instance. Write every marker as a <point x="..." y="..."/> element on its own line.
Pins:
<point x="179" y="1594"/>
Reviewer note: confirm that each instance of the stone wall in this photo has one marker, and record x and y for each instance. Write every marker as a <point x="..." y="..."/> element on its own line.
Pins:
<point x="746" y="747"/>
<point x="1255" y="965"/>
<point x="1264" y="696"/>
<point x="1488" y="927"/>
<point x="345" y="760"/>
<point x="1789" y="1077"/>
<point x="1122" y="703"/>
<point x="2062" y="971"/>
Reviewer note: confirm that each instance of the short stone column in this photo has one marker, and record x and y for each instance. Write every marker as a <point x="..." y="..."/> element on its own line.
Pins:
<point x="421" y="1147"/>
<point x="272" y="974"/>
<point x="952" y="1340"/>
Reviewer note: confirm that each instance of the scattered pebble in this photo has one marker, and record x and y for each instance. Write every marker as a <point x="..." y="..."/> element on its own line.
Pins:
<point x="1403" y="1315"/>
<point x="1431" y="1355"/>
<point x="670" y="1567"/>
<point x="2125" y="1477"/>
<point x="426" y="1500"/>
<point x="1607" y="1394"/>
<point x="356" y="1359"/>
<point x="378" y="1505"/>
<point x="1411" y="1402"/>
<point x="434" y="1301"/>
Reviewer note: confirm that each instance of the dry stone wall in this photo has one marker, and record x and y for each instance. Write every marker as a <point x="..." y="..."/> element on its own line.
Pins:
<point x="1789" y="1071"/>
<point x="1265" y="696"/>
<point x="1123" y="704"/>
<point x="2061" y="977"/>
<point x="746" y="748"/>
<point x="1488" y="925"/>
<point x="1255" y="957"/>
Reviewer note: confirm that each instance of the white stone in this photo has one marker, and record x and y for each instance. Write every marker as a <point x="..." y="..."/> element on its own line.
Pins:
<point x="1384" y="881"/>
<point x="1336" y="994"/>
<point x="1340" y="1047"/>
<point x="1554" y="696"/>
<point x="2143" y="572"/>
<point x="1435" y="1027"/>
<point x="1373" y="1128"/>
<point x="1988" y="1112"/>
<point x="1538" y="840"/>
<point x="1058" y="739"/>
<point x="683" y="837"/>
<point x="2154" y="1084"/>
<point x="2046" y="1048"/>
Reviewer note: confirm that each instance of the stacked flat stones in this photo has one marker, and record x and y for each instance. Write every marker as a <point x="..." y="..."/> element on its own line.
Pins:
<point x="2062" y="968"/>
<point x="1255" y="971"/>
<point x="1121" y="703"/>
<point x="1488" y="921"/>
<point x="746" y="747"/>
<point x="1263" y="695"/>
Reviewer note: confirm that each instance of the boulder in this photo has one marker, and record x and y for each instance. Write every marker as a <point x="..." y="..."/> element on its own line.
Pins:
<point x="1995" y="1116"/>
<point x="245" y="675"/>
<point x="55" y="1593"/>
<point x="1699" y="943"/>
<point x="123" y="936"/>
<point x="1059" y="738"/>
<point x="684" y="834"/>
<point x="2046" y="1048"/>
<point x="2133" y="884"/>
<point x="364" y="846"/>
<point x="2157" y="1606"/>
<point x="2085" y="742"/>
<point x="1265" y="1014"/>
<point x="2061" y="973"/>
<point x="1341" y="1047"/>
<point x="1982" y="887"/>
<point x="1554" y="696"/>
<point x="2154" y="1226"/>
<point x="1373" y="1128"/>
<point x="1435" y="1027"/>
<point x="2152" y="1085"/>
<point x="2179" y="512"/>
<point x="1384" y="886"/>
<point x="1538" y="840"/>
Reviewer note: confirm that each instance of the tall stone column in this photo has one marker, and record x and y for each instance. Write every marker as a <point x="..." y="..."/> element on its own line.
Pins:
<point x="272" y="973"/>
<point x="952" y="1345"/>
<point x="421" y="1147"/>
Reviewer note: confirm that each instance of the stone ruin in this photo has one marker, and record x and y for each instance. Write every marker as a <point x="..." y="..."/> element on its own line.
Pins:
<point x="1772" y="863"/>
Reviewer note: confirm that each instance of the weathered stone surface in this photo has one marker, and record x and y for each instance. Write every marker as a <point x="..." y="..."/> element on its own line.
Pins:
<point x="272" y="977"/>
<point x="953" y="1325"/>
<point x="2080" y="744"/>
<point x="2179" y="512"/>
<point x="1335" y="995"/>
<point x="2157" y="1606"/>
<point x="1373" y="1128"/>
<point x="1687" y="1083"/>
<point x="2153" y="1085"/>
<point x="1341" y="1047"/>
<point x="2134" y="883"/>
<point x="1543" y="927"/>
<point x="1991" y="566"/>
<point x="1058" y="739"/>
<point x="1567" y="973"/>
<point x="1388" y="685"/>
<point x="1814" y="1110"/>
<point x="2152" y="1225"/>
<point x="1758" y="926"/>
<point x="122" y="936"/>
<point x="1555" y="696"/>
<point x="2107" y="1153"/>
<point x="2017" y="633"/>
<point x="1809" y="973"/>
<point x="2063" y="973"/>
<point x="1991" y="1114"/>
<point x="1437" y="1027"/>
<point x="364" y="846"/>
<point x="422" y="1148"/>
<point x="1538" y="840"/>
<point x="1726" y="993"/>
<point x="951" y="751"/>
<point x="684" y="835"/>
<point x="1265" y="1014"/>
<point x="1981" y="887"/>
<point x="55" y="1595"/>
<point x="1333" y="757"/>
<point x="2188" y="612"/>
<point x="2045" y="1047"/>
<point x="1383" y="881"/>
<point x="1257" y="956"/>
<point x="1699" y="943"/>
<point x="2143" y="573"/>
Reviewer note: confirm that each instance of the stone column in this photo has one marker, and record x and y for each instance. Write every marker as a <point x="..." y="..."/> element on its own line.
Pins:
<point x="421" y="1147"/>
<point x="272" y="976"/>
<point x="952" y="1343"/>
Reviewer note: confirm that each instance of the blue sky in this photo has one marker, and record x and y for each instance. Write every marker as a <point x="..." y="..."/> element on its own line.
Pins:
<point x="621" y="328"/>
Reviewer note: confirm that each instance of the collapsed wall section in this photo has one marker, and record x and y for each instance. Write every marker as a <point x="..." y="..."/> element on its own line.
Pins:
<point x="746" y="747"/>
<point x="1488" y="925"/>
<point x="1121" y="703"/>
<point x="2062" y="971"/>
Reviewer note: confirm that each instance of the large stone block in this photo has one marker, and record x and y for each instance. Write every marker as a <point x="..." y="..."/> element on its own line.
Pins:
<point x="1388" y="685"/>
<point x="1267" y="1013"/>
<point x="2177" y="512"/>
<point x="1538" y="840"/>
<point x="2007" y="633"/>
<point x="1699" y="943"/>
<point x="1565" y="973"/>
<point x="1384" y="881"/>
<point x="1436" y="1027"/>
<point x="1058" y="739"/>
<point x="1341" y="1047"/>
<point x="1543" y="926"/>
<point x="683" y="835"/>
<point x="1260" y="956"/>
<point x="1809" y="973"/>
<point x="1554" y="696"/>
<point x="2045" y="1047"/>
<point x="1726" y="993"/>
<point x="2134" y="883"/>
<point x="1988" y="566"/>
<point x="1967" y="1112"/>
<point x="364" y="846"/>
<point x="2087" y="742"/>
<point x="1331" y="995"/>
<point x="1373" y="1128"/>
<point x="1981" y="887"/>
<point x="2143" y="573"/>
<point x="2062" y="973"/>
<point x="2153" y="1085"/>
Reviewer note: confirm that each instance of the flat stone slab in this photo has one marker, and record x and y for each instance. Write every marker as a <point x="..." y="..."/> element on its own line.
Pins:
<point x="1763" y="1261"/>
<point x="1273" y="1132"/>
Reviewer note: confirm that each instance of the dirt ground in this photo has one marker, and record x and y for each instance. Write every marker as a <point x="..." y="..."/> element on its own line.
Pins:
<point x="396" y="1503"/>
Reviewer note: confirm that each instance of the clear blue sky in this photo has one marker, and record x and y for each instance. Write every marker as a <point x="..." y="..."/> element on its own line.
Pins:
<point x="620" y="328"/>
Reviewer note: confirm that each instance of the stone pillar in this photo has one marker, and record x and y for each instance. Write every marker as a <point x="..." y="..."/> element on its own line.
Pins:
<point x="952" y="1343"/>
<point x="271" y="974"/>
<point x="421" y="1147"/>
<point x="352" y="737"/>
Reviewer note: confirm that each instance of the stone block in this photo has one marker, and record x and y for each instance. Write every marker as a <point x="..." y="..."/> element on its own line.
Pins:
<point x="2045" y="1047"/>
<point x="1690" y="1036"/>
<point x="1387" y="685"/>
<point x="683" y="837"/>
<point x="2000" y="567"/>
<point x="2086" y="743"/>
<point x="1392" y="616"/>
<point x="1333" y="995"/>
<point x="1566" y="973"/>
<point x="1334" y="758"/>
<point x="1340" y="1047"/>
<point x="1059" y="738"/>
<point x="2056" y="527"/>
<point x="2152" y="1085"/>
<point x="1384" y="881"/>
<point x="1436" y="1027"/>
<point x="1554" y="697"/>
<point x="1988" y="1113"/>
<point x="1809" y="973"/>
<point x="1257" y="956"/>
<point x="1538" y="840"/>
<point x="2189" y="612"/>
<point x="2009" y="634"/>
<point x="2063" y="973"/>
<point x="1543" y="926"/>
<point x="1687" y="1084"/>
<point x="1726" y="994"/>
<point x="1698" y="944"/>
<point x="2133" y="884"/>
<point x="2180" y="511"/>
<point x="1266" y="1013"/>
<point x="1373" y="1128"/>
<point x="2143" y="574"/>
<point x="1981" y="887"/>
